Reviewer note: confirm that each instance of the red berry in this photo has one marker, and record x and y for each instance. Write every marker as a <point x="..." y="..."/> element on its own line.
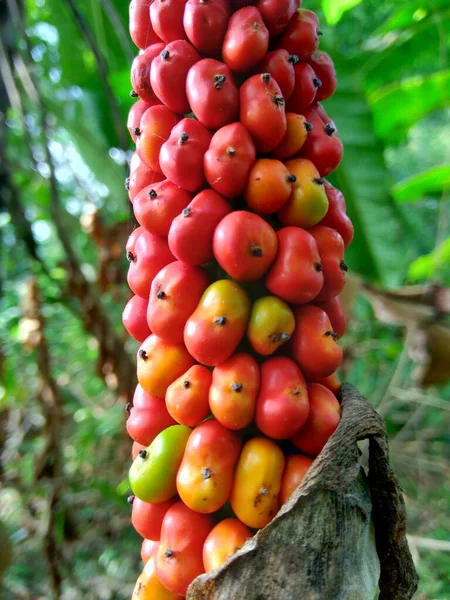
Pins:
<point x="134" y="318"/>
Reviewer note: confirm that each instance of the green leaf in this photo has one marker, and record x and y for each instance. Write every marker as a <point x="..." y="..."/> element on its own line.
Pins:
<point x="380" y="249"/>
<point x="400" y="105"/>
<point x="427" y="265"/>
<point x="335" y="9"/>
<point x="431" y="182"/>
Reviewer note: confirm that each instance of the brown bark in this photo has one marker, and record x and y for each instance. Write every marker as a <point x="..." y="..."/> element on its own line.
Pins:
<point x="342" y="535"/>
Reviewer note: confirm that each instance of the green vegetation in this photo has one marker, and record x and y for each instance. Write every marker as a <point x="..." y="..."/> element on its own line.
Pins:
<point x="66" y="367"/>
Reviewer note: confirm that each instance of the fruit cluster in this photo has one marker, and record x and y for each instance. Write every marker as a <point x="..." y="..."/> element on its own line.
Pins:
<point x="236" y="267"/>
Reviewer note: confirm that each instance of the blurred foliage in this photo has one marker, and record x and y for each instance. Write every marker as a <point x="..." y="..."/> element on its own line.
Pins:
<point x="392" y="111"/>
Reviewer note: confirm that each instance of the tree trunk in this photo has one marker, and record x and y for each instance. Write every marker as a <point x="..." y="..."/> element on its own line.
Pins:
<point x="342" y="534"/>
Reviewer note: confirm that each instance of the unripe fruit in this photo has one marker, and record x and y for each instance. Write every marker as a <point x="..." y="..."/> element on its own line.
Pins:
<point x="229" y="159"/>
<point x="160" y="363"/>
<point x="271" y="324"/>
<point x="174" y="295"/>
<point x="212" y="93"/>
<point x="282" y="407"/>
<point x="225" y="539"/>
<point x="191" y="233"/>
<point x="245" y="245"/>
<point x="169" y="71"/>
<point x="246" y="40"/>
<point x="214" y="330"/>
<point x="294" y="472"/>
<point x="149" y="587"/>
<point x="140" y="73"/>
<point x="295" y="136"/>
<point x="314" y="344"/>
<point x="332" y="383"/>
<point x="324" y="417"/>
<point x="181" y="156"/>
<point x="187" y="398"/>
<point x="205" y="24"/>
<point x="233" y="392"/>
<point x="157" y="205"/>
<point x="269" y="186"/>
<point x="296" y="275"/>
<point x="263" y="111"/>
<point x="134" y="318"/>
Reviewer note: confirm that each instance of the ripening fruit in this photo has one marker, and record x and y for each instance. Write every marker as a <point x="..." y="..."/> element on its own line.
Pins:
<point x="141" y="30"/>
<point x="134" y="318"/>
<point x="257" y="481"/>
<point x="212" y="93"/>
<point x="140" y="73"/>
<point x="269" y="186"/>
<point x="154" y="471"/>
<point x="280" y="64"/>
<point x="167" y="19"/>
<point x="169" y="71"/>
<point x="323" y="66"/>
<point x="214" y="330"/>
<point x="147" y="518"/>
<point x="157" y="205"/>
<point x="148" y="417"/>
<point x="277" y="14"/>
<point x="174" y="295"/>
<point x="314" y="343"/>
<point x="134" y="118"/>
<point x="302" y="35"/>
<point x="305" y="89"/>
<point x="233" y="392"/>
<point x="294" y="138"/>
<point x="336" y="216"/>
<point x="324" y="417"/>
<point x="191" y="233"/>
<point x="282" y="406"/>
<point x="160" y="363"/>
<point x="225" y="539"/>
<point x="331" y="250"/>
<point x="187" y="398"/>
<point x="296" y="275"/>
<point x="147" y="254"/>
<point x="332" y="383"/>
<point x="246" y="40"/>
<point x="148" y="550"/>
<point x="322" y="146"/>
<point x="308" y="202"/>
<point x="294" y="472"/>
<point x="179" y="559"/>
<point x="156" y="125"/>
<point x="262" y="111"/>
<point x="140" y="177"/>
<point x="181" y="156"/>
<point x="245" y="245"/>
<point x="206" y="472"/>
<point x="205" y="24"/>
<point x="229" y="159"/>
<point x="148" y="585"/>
<point x="335" y="312"/>
<point x="271" y="324"/>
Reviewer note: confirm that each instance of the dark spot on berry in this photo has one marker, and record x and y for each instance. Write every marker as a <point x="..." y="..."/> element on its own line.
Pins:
<point x="320" y="32"/>
<point x="256" y="251"/>
<point x="294" y="59"/>
<point x="292" y="178"/>
<point x="236" y="387"/>
<point x="206" y="473"/>
<point x="186" y="212"/>
<point x="343" y="266"/>
<point x="231" y="151"/>
<point x="297" y="391"/>
<point x="317" y="83"/>
<point x="329" y="333"/>
<point x="308" y="126"/>
<point x="186" y="384"/>
<point x="137" y="132"/>
<point x="169" y="553"/>
<point x="256" y="25"/>
<point x="318" y="267"/>
<point x="265" y="77"/>
<point x="219" y="80"/>
<point x="143" y="454"/>
<point x="127" y="184"/>
<point x="220" y="320"/>
<point x="319" y="180"/>
<point x="130" y="257"/>
<point x="152" y="193"/>
<point x="130" y="499"/>
<point x="143" y="355"/>
<point x="278" y="100"/>
<point x="329" y="129"/>
<point x="183" y="138"/>
<point x="165" y="55"/>
<point x="128" y="406"/>
<point x="161" y="295"/>
<point x="134" y="94"/>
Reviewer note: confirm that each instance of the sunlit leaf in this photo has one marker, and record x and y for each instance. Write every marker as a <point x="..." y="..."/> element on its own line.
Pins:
<point x="335" y="9"/>
<point x="431" y="182"/>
